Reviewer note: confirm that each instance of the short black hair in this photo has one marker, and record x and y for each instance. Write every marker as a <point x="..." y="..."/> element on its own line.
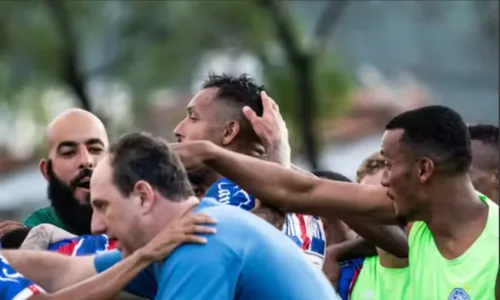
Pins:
<point x="437" y="132"/>
<point x="237" y="92"/>
<point x="142" y="156"/>
<point x="240" y="91"/>
<point x="325" y="174"/>
<point x="487" y="134"/>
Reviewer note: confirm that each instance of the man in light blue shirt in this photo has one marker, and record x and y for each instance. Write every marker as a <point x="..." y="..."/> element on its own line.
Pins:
<point x="246" y="259"/>
<point x="142" y="186"/>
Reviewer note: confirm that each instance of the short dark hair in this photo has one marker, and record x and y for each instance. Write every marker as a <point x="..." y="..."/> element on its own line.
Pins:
<point x="325" y="174"/>
<point x="487" y="134"/>
<point x="437" y="132"/>
<point x="237" y="92"/>
<point x="142" y="156"/>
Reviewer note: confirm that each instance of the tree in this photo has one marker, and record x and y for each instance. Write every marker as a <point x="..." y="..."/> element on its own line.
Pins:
<point x="303" y="62"/>
<point x="148" y="45"/>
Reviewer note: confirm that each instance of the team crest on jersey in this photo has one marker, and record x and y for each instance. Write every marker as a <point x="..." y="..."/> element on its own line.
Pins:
<point x="458" y="294"/>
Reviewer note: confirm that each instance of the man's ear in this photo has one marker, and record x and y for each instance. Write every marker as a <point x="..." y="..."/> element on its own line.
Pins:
<point x="426" y="169"/>
<point x="146" y="195"/>
<point x="43" y="165"/>
<point x="231" y="131"/>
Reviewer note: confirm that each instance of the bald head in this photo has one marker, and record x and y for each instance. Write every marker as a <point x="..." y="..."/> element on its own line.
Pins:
<point x="72" y="123"/>
<point x="76" y="141"/>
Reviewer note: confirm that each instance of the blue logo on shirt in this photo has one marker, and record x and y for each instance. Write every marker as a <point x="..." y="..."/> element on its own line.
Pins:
<point x="226" y="192"/>
<point x="458" y="294"/>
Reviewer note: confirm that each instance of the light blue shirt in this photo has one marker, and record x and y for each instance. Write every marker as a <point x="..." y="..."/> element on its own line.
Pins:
<point x="246" y="259"/>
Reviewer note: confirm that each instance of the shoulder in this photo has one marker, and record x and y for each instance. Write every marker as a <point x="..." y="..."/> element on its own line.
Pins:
<point x="493" y="219"/>
<point x="39" y="212"/>
<point x="215" y="256"/>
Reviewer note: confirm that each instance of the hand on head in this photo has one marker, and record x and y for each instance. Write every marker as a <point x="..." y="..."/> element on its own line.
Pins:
<point x="271" y="129"/>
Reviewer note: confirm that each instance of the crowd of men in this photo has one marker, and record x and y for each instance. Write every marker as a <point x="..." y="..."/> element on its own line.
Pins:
<point x="224" y="214"/>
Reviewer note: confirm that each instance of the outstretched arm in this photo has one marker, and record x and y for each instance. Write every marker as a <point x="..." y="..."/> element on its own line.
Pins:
<point x="51" y="271"/>
<point x="289" y="190"/>
<point x="115" y="279"/>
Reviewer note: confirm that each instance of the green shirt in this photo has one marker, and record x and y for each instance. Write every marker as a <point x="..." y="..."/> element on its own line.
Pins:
<point x="46" y="215"/>
<point x="471" y="276"/>
<point x="376" y="282"/>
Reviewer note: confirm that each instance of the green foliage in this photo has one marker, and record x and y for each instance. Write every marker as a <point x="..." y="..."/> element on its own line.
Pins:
<point x="147" y="45"/>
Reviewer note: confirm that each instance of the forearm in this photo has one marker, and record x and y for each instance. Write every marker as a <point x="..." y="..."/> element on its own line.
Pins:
<point x="295" y="168"/>
<point x="292" y="191"/>
<point x="50" y="270"/>
<point x="357" y="247"/>
<point x="390" y="238"/>
<point x="116" y="278"/>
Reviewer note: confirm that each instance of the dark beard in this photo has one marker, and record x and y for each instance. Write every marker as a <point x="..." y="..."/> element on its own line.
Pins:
<point x="77" y="217"/>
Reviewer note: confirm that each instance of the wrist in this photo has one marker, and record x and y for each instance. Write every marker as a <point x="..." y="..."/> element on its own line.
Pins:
<point x="280" y="155"/>
<point x="141" y="255"/>
<point x="209" y="151"/>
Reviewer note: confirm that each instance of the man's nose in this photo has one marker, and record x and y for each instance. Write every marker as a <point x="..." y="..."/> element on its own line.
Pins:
<point x="384" y="181"/>
<point x="178" y="132"/>
<point x="97" y="226"/>
<point x="86" y="159"/>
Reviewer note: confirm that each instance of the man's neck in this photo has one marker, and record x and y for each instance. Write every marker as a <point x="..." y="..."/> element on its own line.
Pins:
<point x="168" y="211"/>
<point x="455" y="215"/>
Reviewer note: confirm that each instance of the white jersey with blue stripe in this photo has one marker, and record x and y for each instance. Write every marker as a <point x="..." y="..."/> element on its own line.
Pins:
<point x="306" y="231"/>
<point x="13" y="285"/>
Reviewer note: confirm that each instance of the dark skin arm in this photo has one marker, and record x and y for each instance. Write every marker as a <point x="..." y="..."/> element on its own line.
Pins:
<point x="292" y="191"/>
<point x="390" y="238"/>
<point x="357" y="247"/>
<point x="289" y="190"/>
<point x="349" y="249"/>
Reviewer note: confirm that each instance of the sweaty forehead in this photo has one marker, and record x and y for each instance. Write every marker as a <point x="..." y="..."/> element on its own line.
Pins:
<point x="203" y="100"/>
<point x="391" y="143"/>
<point x="75" y="128"/>
<point x="206" y="105"/>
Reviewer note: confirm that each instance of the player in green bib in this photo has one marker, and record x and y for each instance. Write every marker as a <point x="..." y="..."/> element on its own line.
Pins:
<point x="469" y="275"/>
<point x="453" y="245"/>
<point x="384" y="276"/>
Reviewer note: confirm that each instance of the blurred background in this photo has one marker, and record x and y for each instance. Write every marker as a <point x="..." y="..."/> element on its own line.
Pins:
<point x="338" y="69"/>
